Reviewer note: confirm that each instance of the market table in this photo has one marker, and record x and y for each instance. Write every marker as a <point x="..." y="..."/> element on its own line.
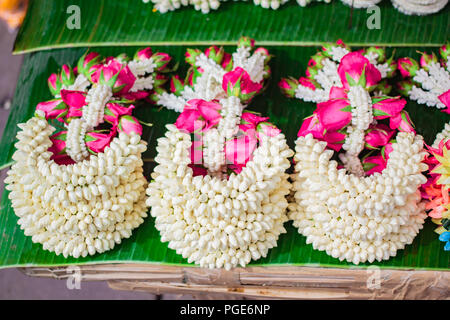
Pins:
<point x="262" y="282"/>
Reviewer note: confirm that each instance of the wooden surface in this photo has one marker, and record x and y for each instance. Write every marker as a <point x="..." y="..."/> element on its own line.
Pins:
<point x="263" y="282"/>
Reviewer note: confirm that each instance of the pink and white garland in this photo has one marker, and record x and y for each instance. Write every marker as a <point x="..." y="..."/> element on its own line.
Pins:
<point x="357" y="210"/>
<point x="82" y="190"/>
<point x="225" y="166"/>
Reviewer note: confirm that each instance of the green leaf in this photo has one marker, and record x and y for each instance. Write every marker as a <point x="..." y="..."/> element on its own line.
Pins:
<point x="145" y="246"/>
<point x="132" y="22"/>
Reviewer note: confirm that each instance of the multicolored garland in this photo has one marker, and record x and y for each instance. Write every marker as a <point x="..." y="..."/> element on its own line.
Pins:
<point x="218" y="191"/>
<point x="356" y="210"/>
<point x="428" y="82"/>
<point x="81" y="190"/>
<point x="436" y="190"/>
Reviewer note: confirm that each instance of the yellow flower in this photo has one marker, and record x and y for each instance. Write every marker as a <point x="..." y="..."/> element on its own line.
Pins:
<point x="444" y="167"/>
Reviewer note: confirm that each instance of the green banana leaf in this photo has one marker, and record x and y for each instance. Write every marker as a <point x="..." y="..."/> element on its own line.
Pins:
<point x="145" y="246"/>
<point x="132" y="22"/>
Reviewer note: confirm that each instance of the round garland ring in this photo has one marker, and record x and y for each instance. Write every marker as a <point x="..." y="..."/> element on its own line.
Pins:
<point x="219" y="197"/>
<point x="82" y="190"/>
<point x="357" y="210"/>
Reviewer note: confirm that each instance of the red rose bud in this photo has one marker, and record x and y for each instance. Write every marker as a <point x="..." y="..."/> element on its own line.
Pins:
<point x="238" y="83"/>
<point x="86" y="62"/>
<point x="159" y="79"/>
<point x="58" y="146"/>
<point x="264" y="52"/>
<point x="161" y="60"/>
<point x="309" y="83"/>
<point x="96" y="142"/>
<point x="53" y="109"/>
<point x="143" y="54"/>
<point x="407" y="67"/>
<point x="191" y="56"/>
<point x="316" y="60"/>
<point x="405" y="86"/>
<point x="113" y="111"/>
<point x="380" y="52"/>
<point x="444" y="51"/>
<point x="215" y="53"/>
<point x="384" y="87"/>
<point x="227" y="62"/>
<point x="128" y="124"/>
<point x="54" y="84"/>
<point x="311" y="72"/>
<point x="427" y="59"/>
<point x="176" y="85"/>
<point x="402" y="122"/>
<point x="67" y="75"/>
<point x="288" y="86"/>
<point x="191" y="76"/>
<point x="246" y="42"/>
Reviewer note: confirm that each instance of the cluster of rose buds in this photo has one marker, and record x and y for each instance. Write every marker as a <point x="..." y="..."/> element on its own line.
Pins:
<point x="353" y="112"/>
<point x="211" y="99"/>
<point x="216" y="74"/>
<point x="427" y="81"/>
<point x="95" y="100"/>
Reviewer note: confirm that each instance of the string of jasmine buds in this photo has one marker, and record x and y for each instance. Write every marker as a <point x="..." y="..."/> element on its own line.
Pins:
<point x="75" y="144"/>
<point x="362" y="117"/>
<point x="96" y="99"/>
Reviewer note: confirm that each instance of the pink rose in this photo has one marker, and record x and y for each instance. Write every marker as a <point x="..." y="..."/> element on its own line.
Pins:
<point x="199" y="115"/>
<point x="445" y="99"/>
<point x="161" y="60"/>
<point x="374" y="164"/>
<point x="96" y="142"/>
<point x="119" y="77"/>
<point x="308" y="83"/>
<point x="312" y="125"/>
<point x="54" y="109"/>
<point x="355" y="69"/>
<point x="113" y="111"/>
<point x="238" y="83"/>
<point x="288" y="86"/>
<point x="86" y="62"/>
<point x="385" y="107"/>
<point x="129" y="124"/>
<point x="143" y="54"/>
<point x="407" y="67"/>
<point x="378" y="135"/>
<point x="75" y="100"/>
<point x="250" y="120"/>
<point x="239" y="150"/>
<point x="402" y="122"/>
<point x="54" y="84"/>
<point x="334" y="114"/>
